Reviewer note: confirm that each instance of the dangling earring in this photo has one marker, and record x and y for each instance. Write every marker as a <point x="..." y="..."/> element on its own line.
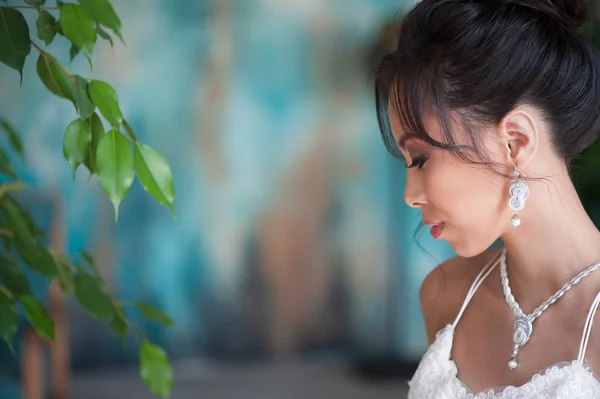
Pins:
<point x="518" y="191"/>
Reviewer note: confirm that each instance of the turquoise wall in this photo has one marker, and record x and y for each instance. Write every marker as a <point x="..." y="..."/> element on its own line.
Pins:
<point x="291" y="234"/>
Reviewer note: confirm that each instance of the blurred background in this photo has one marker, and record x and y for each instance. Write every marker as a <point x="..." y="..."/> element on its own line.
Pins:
<point x="291" y="269"/>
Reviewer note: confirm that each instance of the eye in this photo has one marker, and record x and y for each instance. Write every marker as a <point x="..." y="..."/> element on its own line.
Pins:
<point x="418" y="162"/>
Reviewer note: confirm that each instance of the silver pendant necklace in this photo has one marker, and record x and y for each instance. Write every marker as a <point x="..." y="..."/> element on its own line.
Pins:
<point x="523" y="325"/>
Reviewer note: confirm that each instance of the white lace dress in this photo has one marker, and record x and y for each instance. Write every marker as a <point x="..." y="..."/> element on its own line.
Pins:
<point x="437" y="374"/>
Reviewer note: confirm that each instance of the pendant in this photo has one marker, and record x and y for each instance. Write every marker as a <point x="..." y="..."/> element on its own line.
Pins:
<point x="522" y="330"/>
<point x="513" y="360"/>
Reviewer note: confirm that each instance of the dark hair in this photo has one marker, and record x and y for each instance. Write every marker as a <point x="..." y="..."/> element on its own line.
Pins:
<point x="481" y="58"/>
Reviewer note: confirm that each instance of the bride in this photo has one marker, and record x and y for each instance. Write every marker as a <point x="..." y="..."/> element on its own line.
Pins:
<point x="488" y="101"/>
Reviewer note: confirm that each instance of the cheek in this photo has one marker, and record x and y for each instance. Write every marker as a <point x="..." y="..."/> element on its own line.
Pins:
<point x="471" y="201"/>
<point x="459" y="187"/>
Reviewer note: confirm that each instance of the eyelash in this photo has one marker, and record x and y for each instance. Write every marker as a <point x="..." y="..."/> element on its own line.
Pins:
<point x="418" y="162"/>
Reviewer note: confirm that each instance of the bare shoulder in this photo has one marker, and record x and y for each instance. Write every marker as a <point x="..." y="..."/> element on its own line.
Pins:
<point x="445" y="288"/>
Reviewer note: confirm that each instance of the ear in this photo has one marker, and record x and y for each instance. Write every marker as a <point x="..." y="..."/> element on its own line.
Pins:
<point x="519" y="133"/>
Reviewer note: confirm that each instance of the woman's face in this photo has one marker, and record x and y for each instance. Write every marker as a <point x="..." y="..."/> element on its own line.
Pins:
<point x="464" y="204"/>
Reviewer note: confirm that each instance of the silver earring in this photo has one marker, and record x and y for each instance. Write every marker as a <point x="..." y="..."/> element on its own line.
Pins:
<point x="519" y="192"/>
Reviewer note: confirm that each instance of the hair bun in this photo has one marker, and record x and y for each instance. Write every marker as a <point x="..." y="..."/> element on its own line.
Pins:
<point x="572" y="12"/>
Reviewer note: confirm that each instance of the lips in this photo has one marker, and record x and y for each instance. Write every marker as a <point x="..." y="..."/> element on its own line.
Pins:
<point x="436" y="231"/>
<point x="437" y="228"/>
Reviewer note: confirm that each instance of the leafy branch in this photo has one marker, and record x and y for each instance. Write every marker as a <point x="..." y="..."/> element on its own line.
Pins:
<point x="34" y="7"/>
<point x="116" y="158"/>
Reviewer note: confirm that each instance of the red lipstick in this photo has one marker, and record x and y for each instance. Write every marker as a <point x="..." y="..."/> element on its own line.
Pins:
<point x="436" y="228"/>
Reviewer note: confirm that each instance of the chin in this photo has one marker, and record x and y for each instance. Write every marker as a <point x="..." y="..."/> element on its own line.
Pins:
<point x="467" y="249"/>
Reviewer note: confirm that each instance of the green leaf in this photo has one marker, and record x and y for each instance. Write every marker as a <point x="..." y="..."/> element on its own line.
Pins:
<point x="65" y="274"/>
<point x="25" y="241"/>
<point x="38" y="317"/>
<point x="14" y="279"/>
<point x="153" y="314"/>
<point x="11" y="187"/>
<point x="91" y="296"/>
<point x="37" y="231"/>
<point x="6" y="168"/>
<point x="36" y="256"/>
<point x="103" y="12"/>
<point x="9" y="318"/>
<point x="104" y="34"/>
<point x="55" y="77"/>
<point x="65" y="278"/>
<point x="87" y="257"/>
<point x="156" y="369"/>
<point x="46" y="27"/>
<point x="79" y="27"/>
<point x="90" y="261"/>
<point x="12" y="275"/>
<point x="76" y="143"/>
<point x="5" y="291"/>
<point x="115" y="167"/>
<point x="35" y="2"/>
<point x="17" y="221"/>
<point x="82" y="98"/>
<point x="120" y="324"/>
<point x="73" y="51"/>
<point x="97" y="132"/>
<point x="15" y="44"/>
<point x="154" y="174"/>
<point x="105" y="98"/>
<point x="15" y="140"/>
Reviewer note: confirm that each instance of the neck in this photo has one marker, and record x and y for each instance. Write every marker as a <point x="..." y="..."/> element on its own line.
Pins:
<point x="556" y="241"/>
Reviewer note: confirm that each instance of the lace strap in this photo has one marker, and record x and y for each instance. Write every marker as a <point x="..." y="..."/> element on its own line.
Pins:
<point x="587" y="329"/>
<point x="483" y="274"/>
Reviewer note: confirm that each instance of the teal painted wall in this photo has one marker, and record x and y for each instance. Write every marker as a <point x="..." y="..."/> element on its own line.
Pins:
<point x="291" y="233"/>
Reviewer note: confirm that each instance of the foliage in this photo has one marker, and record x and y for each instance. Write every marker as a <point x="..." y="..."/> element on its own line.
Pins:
<point x="116" y="159"/>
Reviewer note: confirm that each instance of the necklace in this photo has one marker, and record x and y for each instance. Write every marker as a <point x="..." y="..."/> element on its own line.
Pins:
<point x="523" y="325"/>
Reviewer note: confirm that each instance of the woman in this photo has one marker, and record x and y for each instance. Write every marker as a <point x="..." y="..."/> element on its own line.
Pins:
<point x="488" y="101"/>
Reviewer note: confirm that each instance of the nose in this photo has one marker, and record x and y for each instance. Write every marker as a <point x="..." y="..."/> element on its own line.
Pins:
<point x="414" y="193"/>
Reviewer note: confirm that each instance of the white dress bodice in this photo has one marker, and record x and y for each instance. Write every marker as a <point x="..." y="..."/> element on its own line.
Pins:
<point x="437" y="374"/>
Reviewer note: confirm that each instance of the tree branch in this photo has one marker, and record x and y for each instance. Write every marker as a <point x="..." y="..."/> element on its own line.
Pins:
<point x="6" y="233"/>
<point x="37" y="47"/>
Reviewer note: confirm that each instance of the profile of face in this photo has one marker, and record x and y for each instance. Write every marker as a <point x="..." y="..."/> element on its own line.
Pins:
<point x="463" y="203"/>
<point x="528" y="88"/>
